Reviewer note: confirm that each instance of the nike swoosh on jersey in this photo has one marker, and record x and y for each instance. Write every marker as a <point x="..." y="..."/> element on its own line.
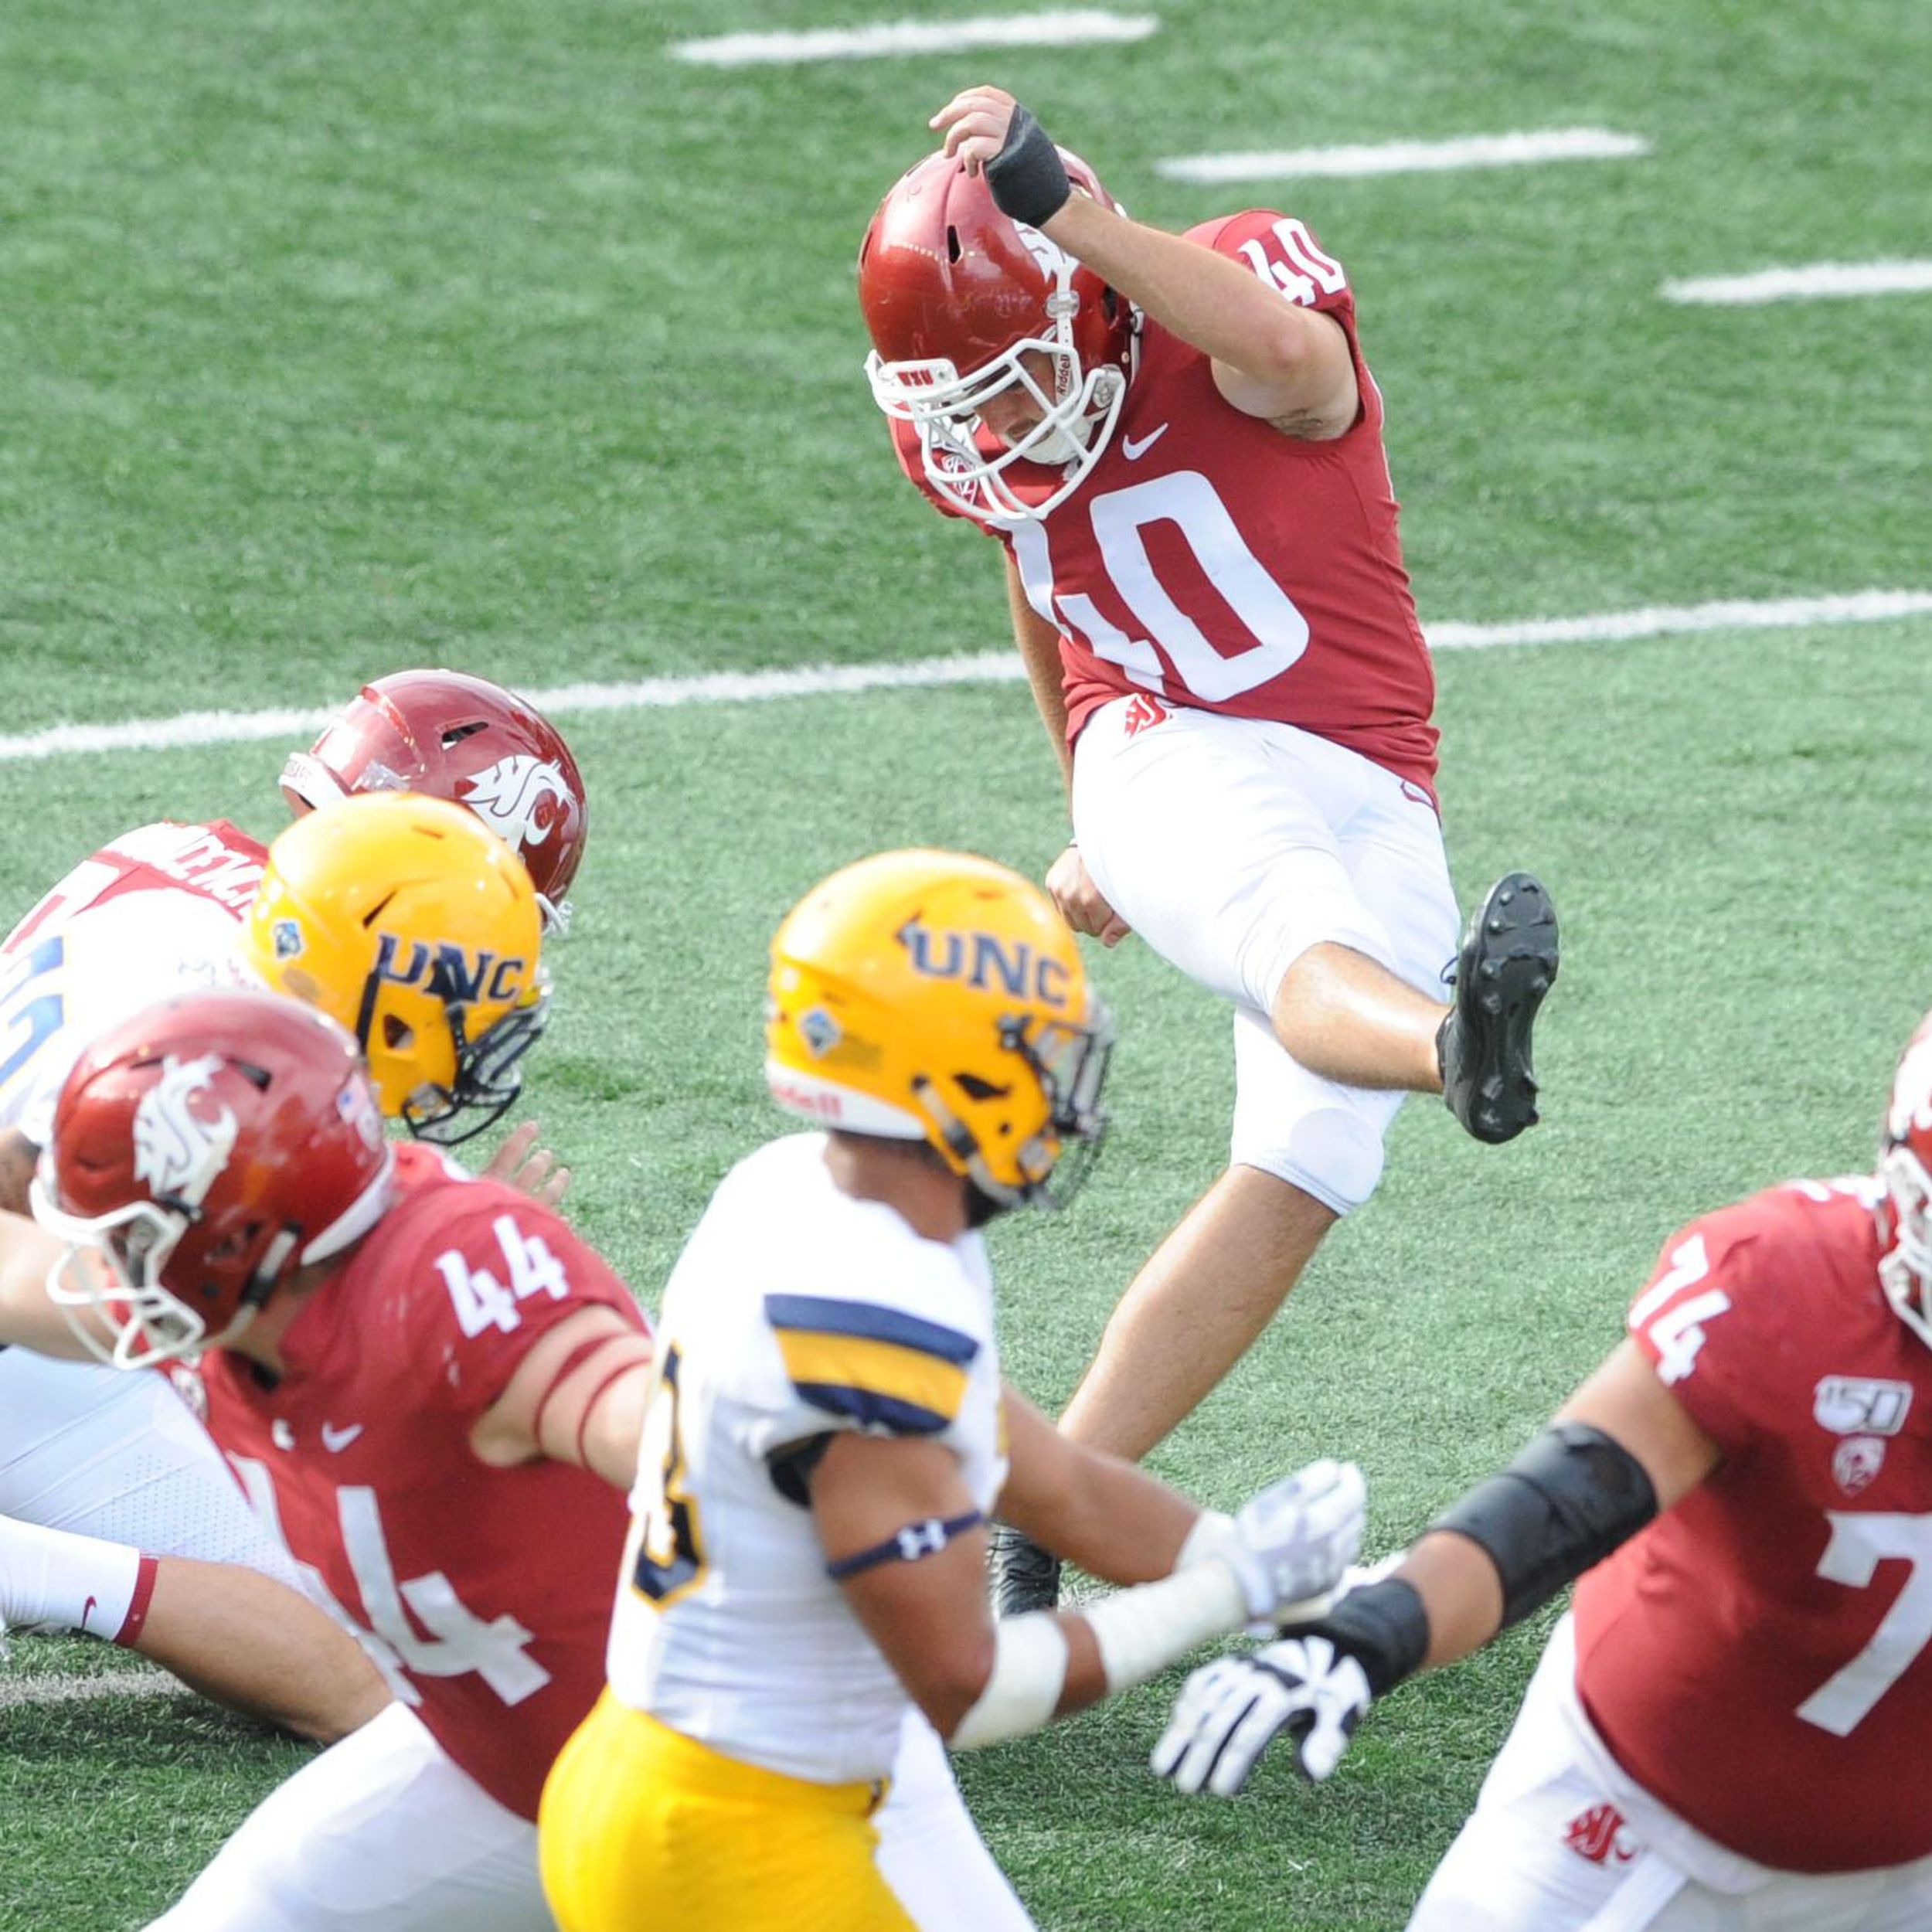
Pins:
<point x="334" y="1441"/>
<point x="1134" y="451"/>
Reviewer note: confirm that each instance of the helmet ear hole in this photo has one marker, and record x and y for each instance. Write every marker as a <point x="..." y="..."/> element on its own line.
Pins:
<point x="398" y="1035"/>
<point x="953" y="251"/>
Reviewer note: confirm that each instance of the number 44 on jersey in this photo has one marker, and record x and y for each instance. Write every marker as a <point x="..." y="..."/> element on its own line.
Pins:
<point x="483" y="1302"/>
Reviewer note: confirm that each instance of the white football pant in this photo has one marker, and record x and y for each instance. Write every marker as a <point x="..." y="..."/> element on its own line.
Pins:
<point x="382" y="1833"/>
<point x="117" y="1455"/>
<point x="1233" y="845"/>
<point x="1562" y="1840"/>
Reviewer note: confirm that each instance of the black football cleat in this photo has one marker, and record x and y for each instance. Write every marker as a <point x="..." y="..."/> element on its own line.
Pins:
<point x="1025" y="1577"/>
<point x="1508" y="963"/>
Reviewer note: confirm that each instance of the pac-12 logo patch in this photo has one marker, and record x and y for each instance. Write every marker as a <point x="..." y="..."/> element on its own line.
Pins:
<point x="1856" y="1462"/>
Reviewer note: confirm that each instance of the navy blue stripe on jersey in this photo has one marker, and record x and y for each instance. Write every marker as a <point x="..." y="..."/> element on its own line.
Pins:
<point x="823" y="1315"/>
<point x="873" y="1408"/>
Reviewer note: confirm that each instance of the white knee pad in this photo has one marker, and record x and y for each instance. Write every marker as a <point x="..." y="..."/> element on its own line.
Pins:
<point x="1325" y="1139"/>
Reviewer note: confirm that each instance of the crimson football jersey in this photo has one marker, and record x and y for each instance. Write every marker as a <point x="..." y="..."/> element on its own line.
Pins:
<point x="487" y="1590"/>
<point x="1209" y="559"/>
<point x="1757" y="1657"/>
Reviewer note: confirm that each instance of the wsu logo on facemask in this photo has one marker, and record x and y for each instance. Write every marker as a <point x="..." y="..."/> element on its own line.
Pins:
<point x="510" y="794"/>
<point x="177" y="1154"/>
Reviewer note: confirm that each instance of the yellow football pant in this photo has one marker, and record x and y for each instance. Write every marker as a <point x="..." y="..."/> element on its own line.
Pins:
<point x="643" y="1830"/>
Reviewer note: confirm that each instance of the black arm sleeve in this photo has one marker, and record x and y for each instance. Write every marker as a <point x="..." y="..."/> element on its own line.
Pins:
<point x="1560" y="1509"/>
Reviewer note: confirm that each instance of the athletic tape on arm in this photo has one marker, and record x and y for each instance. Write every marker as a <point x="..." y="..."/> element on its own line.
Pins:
<point x="1560" y="1509"/>
<point x="1023" y="1688"/>
<point x="1139" y="1631"/>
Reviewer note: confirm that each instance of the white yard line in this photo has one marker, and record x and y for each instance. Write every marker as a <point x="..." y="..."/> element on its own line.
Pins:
<point x="1083" y="27"/>
<point x="1409" y="157"/>
<point x="1818" y="281"/>
<point x="195" y="728"/>
<point x="1669" y="620"/>
<point x="16" y="1690"/>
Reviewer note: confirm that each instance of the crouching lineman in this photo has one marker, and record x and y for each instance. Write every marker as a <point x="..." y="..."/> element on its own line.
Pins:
<point x="117" y="1517"/>
<point x="1728" y="1734"/>
<point x="406" y="921"/>
<point x="415" y="1373"/>
<point x="827" y="1434"/>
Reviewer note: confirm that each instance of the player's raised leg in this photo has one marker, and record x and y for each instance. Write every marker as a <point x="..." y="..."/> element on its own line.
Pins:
<point x="1171" y="1341"/>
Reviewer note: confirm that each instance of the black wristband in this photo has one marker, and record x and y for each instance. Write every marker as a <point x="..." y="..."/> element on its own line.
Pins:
<point x="1027" y="176"/>
<point x="1382" y="1626"/>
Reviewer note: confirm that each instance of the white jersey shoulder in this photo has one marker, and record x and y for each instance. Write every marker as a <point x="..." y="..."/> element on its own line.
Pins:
<point x="94" y="951"/>
<point x="795" y="1312"/>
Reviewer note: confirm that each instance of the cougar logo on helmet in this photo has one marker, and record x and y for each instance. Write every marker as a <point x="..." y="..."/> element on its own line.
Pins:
<point x="1048" y="254"/>
<point x="510" y="794"/>
<point x="177" y="1154"/>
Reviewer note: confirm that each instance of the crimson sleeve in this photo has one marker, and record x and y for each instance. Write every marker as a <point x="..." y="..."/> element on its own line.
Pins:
<point x="1698" y="1322"/>
<point x="493" y="1281"/>
<point x="1282" y="253"/>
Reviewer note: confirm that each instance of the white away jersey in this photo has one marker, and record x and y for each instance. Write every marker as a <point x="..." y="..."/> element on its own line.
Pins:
<point x="158" y="912"/>
<point x="794" y="1311"/>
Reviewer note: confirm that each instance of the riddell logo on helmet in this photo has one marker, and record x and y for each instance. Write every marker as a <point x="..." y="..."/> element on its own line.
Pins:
<point x="510" y="796"/>
<point x="452" y="972"/>
<point x="981" y="959"/>
<point x="808" y="1099"/>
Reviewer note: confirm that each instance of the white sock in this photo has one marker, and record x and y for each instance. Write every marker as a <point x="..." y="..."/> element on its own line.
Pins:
<point x="52" y="1580"/>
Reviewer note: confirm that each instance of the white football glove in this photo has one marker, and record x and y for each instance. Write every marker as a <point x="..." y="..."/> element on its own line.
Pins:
<point x="1290" y="1545"/>
<point x="1229" y="1710"/>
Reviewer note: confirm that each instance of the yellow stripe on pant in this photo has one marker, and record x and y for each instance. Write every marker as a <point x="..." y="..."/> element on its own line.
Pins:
<point x="644" y="1830"/>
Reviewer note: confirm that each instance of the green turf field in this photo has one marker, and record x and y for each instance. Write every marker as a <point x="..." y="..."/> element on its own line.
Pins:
<point x="335" y="340"/>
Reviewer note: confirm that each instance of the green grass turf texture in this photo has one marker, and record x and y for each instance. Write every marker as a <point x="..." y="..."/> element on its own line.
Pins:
<point x="335" y="341"/>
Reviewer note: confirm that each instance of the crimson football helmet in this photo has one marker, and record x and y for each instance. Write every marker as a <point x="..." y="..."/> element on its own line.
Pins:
<point x="449" y="735"/>
<point x="1905" y="1174"/>
<point x="957" y="297"/>
<point x="201" y="1152"/>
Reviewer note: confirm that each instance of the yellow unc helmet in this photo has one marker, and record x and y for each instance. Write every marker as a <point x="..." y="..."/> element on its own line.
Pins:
<point x="408" y="921"/>
<point x="932" y="996"/>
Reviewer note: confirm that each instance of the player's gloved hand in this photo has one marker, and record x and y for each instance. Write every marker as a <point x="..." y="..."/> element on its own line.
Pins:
<point x="1289" y="1545"/>
<point x="1228" y="1711"/>
<point x="1314" y="1686"/>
